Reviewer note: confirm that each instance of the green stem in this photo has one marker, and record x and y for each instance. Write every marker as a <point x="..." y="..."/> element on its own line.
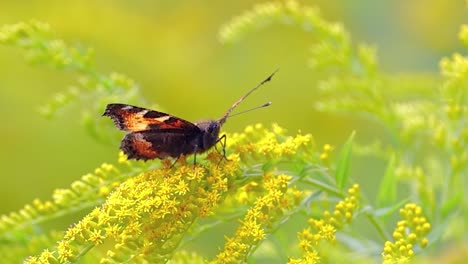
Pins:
<point x="325" y="187"/>
<point x="82" y="253"/>
<point x="378" y="227"/>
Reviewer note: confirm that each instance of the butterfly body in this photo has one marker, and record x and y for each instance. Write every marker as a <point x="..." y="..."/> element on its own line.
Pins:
<point x="152" y="134"/>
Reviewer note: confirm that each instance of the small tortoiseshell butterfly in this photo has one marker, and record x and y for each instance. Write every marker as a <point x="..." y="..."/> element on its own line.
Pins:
<point x="154" y="134"/>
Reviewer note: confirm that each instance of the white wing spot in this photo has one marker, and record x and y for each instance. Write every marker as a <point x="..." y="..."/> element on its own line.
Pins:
<point x="163" y="118"/>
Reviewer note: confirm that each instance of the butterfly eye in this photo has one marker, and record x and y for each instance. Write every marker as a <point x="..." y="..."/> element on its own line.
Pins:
<point x="212" y="127"/>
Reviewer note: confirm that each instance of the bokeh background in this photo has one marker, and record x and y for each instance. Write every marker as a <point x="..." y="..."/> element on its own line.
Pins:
<point x="171" y="49"/>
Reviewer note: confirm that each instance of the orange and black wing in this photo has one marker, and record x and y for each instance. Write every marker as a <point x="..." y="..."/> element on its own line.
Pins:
<point x="133" y="118"/>
<point x="153" y="134"/>
<point x="146" y="145"/>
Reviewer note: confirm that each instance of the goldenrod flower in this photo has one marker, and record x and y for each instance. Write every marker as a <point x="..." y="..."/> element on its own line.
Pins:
<point x="325" y="229"/>
<point x="411" y="230"/>
<point x="145" y="217"/>
<point x="265" y="211"/>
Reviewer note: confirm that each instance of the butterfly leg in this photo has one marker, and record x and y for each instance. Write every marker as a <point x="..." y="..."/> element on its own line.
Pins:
<point x="175" y="162"/>
<point x="216" y="147"/>
<point x="195" y="157"/>
<point x="222" y="140"/>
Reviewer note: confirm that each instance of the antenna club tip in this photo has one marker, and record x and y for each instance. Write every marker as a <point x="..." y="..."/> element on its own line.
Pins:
<point x="275" y="72"/>
<point x="271" y="76"/>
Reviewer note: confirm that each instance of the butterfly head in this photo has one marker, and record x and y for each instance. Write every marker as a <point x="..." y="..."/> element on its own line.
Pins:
<point x="210" y="132"/>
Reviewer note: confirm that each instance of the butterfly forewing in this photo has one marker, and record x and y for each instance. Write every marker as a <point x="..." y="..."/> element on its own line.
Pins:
<point x="133" y="118"/>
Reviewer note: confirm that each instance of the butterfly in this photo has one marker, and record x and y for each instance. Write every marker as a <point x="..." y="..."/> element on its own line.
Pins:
<point x="153" y="134"/>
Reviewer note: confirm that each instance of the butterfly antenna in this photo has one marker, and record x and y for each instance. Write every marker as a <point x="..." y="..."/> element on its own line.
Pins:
<point x="226" y="115"/>
<point x="251" y="109"/>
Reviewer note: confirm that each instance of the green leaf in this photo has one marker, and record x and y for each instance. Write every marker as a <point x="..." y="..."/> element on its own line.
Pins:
<point x="451" y="204"/>
<point x="342" y="171"/>
<point x="387" y="190"/>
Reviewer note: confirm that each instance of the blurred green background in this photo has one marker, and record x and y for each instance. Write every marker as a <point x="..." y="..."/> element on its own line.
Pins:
<point x="171" y="49"/>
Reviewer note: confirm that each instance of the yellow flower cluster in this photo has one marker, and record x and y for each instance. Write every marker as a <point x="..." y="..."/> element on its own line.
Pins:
<point x="325" y="229"/>
<point x="326" y="153"/>
<point x="409" y="231"/>
<point x="456" y="70"/>
<point x="266" y="210"/>
<point x="15" y="32"/>
<point x="241" y="23"/>
<point x="270" y="144"/>
<point x="24" y="34"/>
<point x="287" y="12"/>
<point x="147" y="215"/>
<point x="91" y="186"/>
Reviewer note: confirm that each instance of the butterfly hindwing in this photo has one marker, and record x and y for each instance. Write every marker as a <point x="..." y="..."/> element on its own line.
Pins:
<point x="133" y="119"/>
<point x="147" y="145"/>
